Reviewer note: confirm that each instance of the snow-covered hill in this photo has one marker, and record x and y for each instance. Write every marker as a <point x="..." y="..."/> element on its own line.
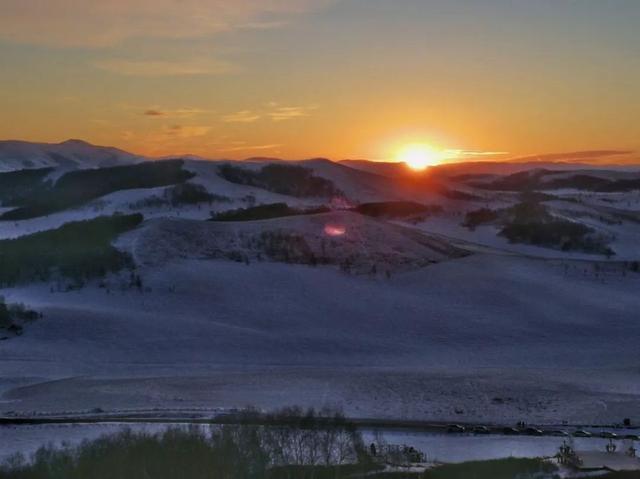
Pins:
<point x="357" y="185"/>
<point x="386" y="317"/>
<point x="356" y="243"/>
<point x="68" y="155"/>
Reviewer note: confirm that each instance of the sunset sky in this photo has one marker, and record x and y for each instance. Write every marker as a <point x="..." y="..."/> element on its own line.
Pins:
<point x="333" y="78"/>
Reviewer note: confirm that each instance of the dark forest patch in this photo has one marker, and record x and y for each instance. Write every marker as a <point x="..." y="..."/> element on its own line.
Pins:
<point x="79" y="250"/>
<point x="263" y="212"/>
<point x="395" y="209"/>
<point x="290" y="180"/>
<point x="530" y="222"/>
<point x="80" y="187"/>
<point x="543" y="180"/>
<point x="17" y="185"/>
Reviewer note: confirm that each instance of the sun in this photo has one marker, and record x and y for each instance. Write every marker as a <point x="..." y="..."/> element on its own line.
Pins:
<point x="420" y="156"/>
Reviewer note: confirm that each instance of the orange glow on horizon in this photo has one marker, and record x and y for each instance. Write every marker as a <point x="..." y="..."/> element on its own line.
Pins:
<point x="418" y="156"/>
<point x="296" y="79"/>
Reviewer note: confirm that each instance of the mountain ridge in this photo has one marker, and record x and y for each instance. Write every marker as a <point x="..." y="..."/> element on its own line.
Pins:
<point x="70" y="154"/>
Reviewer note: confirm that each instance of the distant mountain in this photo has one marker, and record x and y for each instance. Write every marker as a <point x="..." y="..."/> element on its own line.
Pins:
<point x="383" y="168"/>
<point x="449" y="170"/>
<point x="541" y="179"/>
<point x="509" y="168"/>
<point x="70" y="155"/>
<point x="584" y="156"/>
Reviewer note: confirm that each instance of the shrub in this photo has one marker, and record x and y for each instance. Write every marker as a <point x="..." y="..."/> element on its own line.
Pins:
<point x="189" y="194"/>
<point x="480" y="217"/>
<point x="287" y="247"/>
<point x="14" y="316"/>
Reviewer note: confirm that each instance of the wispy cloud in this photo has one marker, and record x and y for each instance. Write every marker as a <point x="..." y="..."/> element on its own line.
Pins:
<point x="173" y="113"/>
<point x="273" y="112"/>
<point x="252" y="147"/>
<point x="481" y="153"/>
<point x="470" y="155"/>
<point x="159" y="68"/>
<point x="243" y="116"/>
<point x="187" y="131"/>
<point x="284" y="113"/>
<point x="101" y="23"/>
<point x="587" y="155"/>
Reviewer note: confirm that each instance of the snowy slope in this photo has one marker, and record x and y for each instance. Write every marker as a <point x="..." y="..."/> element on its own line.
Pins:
<point x="357" y="185"/>
<point x="207" y="176"/>
<point x="437" y="343"/>
<point x="70" y="154"/>
<point x="364" y="244"/>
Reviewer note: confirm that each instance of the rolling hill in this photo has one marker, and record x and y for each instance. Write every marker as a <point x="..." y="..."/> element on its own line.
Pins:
<point x="68" y="155"/>
<point x="365" y="283"/>
<point x="354" y="242"/>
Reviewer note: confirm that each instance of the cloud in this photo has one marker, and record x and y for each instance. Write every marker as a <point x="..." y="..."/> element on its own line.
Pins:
<point x="159" y="68"/>
<point x="475" y="153"/>
<point x="244" y="116"/>
<point x="472" y="155"/>
<point x="175" y="113"/>
<point x="275" y="113"/>
<point x="588" y="155"/>
<point x="102" y="23"/>
<point x="252" y="147"/>
<point x="283" y="113"/>
<point x="191" y="131"/>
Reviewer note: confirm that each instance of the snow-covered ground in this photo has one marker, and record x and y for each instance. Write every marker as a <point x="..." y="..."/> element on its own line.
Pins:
<point x="511" y="332"/>
<point x="366" y="245"/>
<point x="70" y="154"/>
<point x="486" y="337"/>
